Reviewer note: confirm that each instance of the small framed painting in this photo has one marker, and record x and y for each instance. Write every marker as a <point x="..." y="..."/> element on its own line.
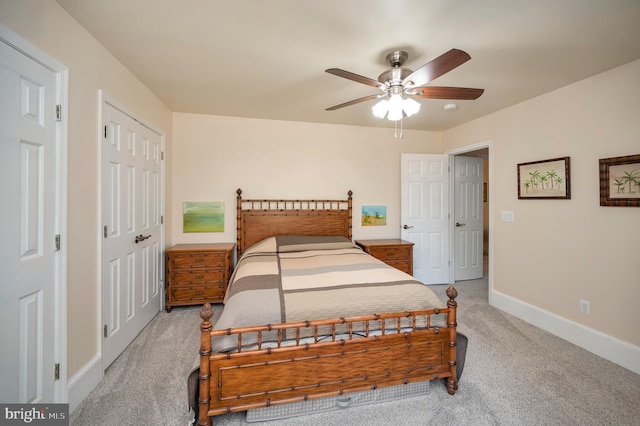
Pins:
<point x="547" y="179"/>
<point x="374" y="215"/>
<point x="198" y="216"/>
<point x="620" y="181"/>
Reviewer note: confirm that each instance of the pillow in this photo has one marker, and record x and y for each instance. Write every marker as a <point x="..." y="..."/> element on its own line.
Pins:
<point x="297" y="243"/>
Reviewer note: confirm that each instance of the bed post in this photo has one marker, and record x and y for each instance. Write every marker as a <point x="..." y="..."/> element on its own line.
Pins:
<point x="205" y="351"/>
<point x="350" y="205"/>
<point x="238" y="224"/>
<point x="452" y="381"/>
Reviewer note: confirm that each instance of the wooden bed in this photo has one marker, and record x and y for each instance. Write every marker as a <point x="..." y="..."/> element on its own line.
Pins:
<point x="262" y="376"/>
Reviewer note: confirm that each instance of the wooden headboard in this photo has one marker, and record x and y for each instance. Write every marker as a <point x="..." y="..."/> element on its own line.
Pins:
<point x="259" y="219"/>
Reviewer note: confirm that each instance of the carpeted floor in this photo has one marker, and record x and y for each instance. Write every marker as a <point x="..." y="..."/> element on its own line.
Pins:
<point x="508" y="379"/>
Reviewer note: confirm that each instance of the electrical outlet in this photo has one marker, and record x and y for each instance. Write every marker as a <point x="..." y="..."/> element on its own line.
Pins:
<point x="584" y="306"/>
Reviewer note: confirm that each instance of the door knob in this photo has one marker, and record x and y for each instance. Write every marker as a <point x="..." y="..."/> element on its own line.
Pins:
<point x="142" y="238"/>
<point x="458" y="224"/>
<point x="406" y="227"/>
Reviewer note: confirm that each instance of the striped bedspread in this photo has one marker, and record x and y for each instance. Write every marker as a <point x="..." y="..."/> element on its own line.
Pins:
<point x="297" y="278"/>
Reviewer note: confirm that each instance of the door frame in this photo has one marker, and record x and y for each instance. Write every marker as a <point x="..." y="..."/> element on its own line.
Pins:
<point x="103" y="98"/>
<point x="61" y="72"/>
<point x="450" y="160"/>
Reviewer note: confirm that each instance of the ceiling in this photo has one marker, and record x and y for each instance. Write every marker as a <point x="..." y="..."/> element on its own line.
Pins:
<point x="266" y="59"/>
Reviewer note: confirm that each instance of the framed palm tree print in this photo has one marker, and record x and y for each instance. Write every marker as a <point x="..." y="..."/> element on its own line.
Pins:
<point x="620" y="181"/>
<point x="546" y="179"/>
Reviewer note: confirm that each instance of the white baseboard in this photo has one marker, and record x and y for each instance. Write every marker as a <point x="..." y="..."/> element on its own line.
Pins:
<point x="84" y="381"/>
<point x="608" y="347"/>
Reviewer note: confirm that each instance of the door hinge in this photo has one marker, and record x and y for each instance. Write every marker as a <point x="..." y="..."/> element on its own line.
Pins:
<point x="56" y="372"/>
<point x="161" y="155"/>
<point x="105" y="231"/>
<point x="105" y="132"/>
<point x="58" y="112"/>
<point x="161" y="220"/>
<point x="57" y="242"/>
<point x="105" y="330"/>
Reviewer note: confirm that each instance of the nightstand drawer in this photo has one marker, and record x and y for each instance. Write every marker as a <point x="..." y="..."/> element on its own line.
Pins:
<point x="198" y="260"/>
<point x="197" y="276"/>
<point x="389" y="253"/>
<point x="206" y="293"/>
<point x="394" y="252"/>
<point x="402" y="265"/>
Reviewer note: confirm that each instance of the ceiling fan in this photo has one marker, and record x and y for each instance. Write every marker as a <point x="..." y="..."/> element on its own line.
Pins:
<point x="399" y="85"/>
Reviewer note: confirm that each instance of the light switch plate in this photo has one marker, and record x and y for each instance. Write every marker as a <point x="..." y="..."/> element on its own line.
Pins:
<point x="508" y="216"/>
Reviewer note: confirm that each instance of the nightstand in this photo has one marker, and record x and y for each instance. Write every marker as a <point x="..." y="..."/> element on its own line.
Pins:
<point x="395" y="252"/>
<point x="197" y="273"/>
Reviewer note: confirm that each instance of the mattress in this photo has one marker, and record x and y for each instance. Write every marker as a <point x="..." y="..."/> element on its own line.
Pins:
<point x="299" y="278"/>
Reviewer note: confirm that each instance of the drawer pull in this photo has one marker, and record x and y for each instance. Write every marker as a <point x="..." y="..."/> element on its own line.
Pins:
<point x="198" y="260"/>
<point x="199" y="277"/>
<point x="197" y="293"/>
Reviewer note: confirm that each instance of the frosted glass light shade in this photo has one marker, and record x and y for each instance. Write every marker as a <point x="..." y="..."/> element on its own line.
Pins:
<point x="380" y="109"/>
<point x="410" y="107"/>
<point x="395" y="108"/>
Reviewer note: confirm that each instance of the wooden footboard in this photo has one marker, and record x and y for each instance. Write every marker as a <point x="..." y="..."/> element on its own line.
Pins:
<point x="359" y="353"/>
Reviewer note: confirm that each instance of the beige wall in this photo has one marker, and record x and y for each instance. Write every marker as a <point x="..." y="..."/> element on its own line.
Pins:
<point x="46" y="25"/>
<point x="214" y="156"/>
<point x="558" y="252"/>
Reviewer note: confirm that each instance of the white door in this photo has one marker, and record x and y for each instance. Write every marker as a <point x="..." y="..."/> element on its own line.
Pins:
<point x="28" y="258"/>
<point x="132" y="229"/>
<point x="424" y="214"/>
<point x="468" y="217"/>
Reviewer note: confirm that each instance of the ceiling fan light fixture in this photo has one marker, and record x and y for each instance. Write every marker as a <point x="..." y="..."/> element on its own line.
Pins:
<point x="395" y="108"/>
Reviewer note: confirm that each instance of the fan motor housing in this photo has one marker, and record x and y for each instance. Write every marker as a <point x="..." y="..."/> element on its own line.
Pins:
<point x="394" y="76"/>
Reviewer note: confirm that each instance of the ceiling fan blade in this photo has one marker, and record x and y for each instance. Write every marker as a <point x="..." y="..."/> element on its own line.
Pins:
<point x="355" y="101"/>
<point x="355" y="77"/>
<point x="439" y="66"/>
<point x="435" y="92"/>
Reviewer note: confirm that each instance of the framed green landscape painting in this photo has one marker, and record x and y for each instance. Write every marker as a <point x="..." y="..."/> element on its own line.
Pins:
<point x="199" y="216"/>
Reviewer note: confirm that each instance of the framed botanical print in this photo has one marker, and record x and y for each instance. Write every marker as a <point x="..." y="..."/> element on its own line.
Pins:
<point x="620" y="181"/>
<point x="547" y="179"/>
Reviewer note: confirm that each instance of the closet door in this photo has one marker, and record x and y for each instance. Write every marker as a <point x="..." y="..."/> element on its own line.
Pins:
<point x="132" y="229"/>
<point x="29" y="185"/>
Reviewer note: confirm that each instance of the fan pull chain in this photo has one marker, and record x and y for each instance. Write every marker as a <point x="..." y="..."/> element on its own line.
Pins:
<point x="395" y="130"/>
